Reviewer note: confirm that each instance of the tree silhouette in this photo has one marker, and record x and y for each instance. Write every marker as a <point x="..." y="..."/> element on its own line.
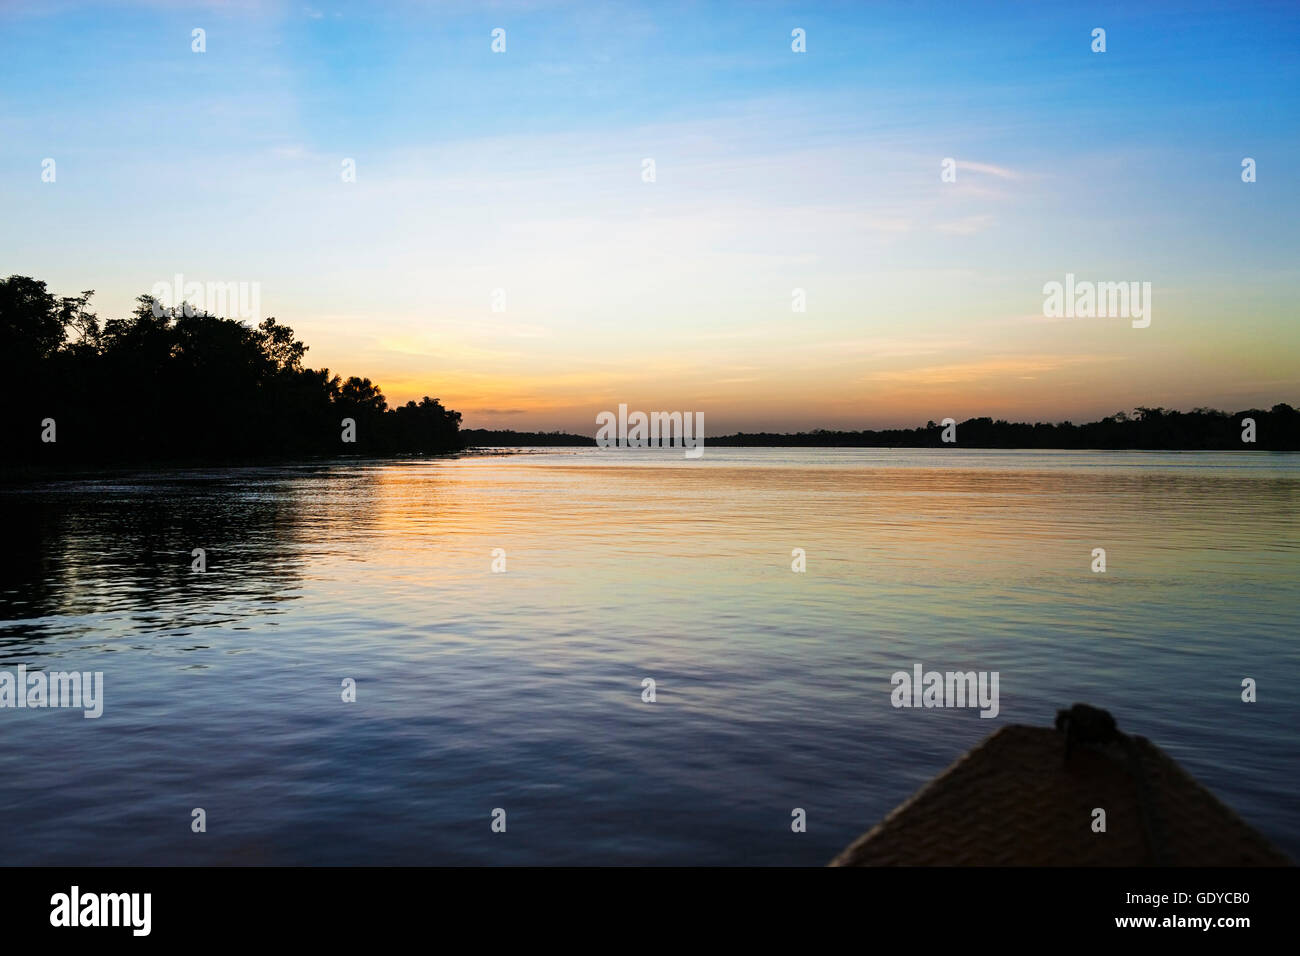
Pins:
<point x="182" y="384"/>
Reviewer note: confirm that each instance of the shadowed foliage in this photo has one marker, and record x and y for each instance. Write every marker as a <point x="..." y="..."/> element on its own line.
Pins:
<point x="175" y="384"/>
<point x="1276" y="429"/>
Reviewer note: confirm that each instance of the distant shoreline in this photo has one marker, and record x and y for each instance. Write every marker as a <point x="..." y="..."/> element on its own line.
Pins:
<point x="1145" y="429"/>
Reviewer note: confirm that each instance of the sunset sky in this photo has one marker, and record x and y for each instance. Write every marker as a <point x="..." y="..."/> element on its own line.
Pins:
<point x="775" y="170"/>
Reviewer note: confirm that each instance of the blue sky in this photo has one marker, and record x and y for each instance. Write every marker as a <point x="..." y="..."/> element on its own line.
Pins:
<point x="521" y="171"/>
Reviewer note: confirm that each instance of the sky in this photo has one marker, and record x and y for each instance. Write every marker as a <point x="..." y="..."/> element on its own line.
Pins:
<point x="500" y="247"/>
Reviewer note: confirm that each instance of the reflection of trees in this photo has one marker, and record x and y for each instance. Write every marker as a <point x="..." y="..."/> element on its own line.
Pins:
<point x="114" y="554"/>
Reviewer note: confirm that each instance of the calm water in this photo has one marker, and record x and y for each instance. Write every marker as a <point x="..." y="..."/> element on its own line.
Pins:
<point x="522" y="690"/>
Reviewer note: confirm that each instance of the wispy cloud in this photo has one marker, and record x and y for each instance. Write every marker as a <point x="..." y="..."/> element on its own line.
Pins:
<point x="1002" y="172"/>
<point x="968" y="226"/>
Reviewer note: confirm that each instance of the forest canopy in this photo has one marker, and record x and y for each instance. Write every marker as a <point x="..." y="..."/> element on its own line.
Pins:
<point x="178" y="384"/>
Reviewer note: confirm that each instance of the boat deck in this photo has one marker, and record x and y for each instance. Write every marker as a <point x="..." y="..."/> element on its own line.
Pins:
<point x="1014" y="801"/>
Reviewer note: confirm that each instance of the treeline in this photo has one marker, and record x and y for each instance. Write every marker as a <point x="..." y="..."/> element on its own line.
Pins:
<point x="175" y="384"/>
<point x="504" y="438"/>
<point x="1274" y="429"/>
